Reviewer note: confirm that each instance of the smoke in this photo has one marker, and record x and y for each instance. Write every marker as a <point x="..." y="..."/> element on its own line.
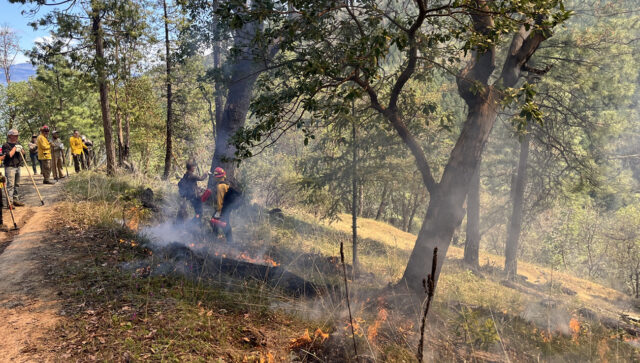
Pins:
<point x="161" y="235"/>
<point x="548" y="315"/>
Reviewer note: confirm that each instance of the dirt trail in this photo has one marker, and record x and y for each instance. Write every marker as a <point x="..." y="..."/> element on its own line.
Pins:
<point x="28" y="307"/>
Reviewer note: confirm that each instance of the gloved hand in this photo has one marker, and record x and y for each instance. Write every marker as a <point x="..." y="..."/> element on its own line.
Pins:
<point x="217" y="215"/>
<point x="19" y="148"/>
<point x="2" y="179"/>
<point x="209" y="173"/>
<point x="61" y="146"/>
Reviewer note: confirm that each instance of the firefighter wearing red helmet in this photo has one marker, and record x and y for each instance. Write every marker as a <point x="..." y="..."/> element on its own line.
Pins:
<point x="225" y="197"/>
<point x="44" y="154"/>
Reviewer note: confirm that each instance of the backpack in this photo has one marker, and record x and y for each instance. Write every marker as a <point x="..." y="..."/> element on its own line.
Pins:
<point x="232" y="199"/>
<point x="183" y="187"/>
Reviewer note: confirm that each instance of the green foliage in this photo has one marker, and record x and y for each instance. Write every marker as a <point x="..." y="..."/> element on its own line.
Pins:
<point x="477" y="330"/>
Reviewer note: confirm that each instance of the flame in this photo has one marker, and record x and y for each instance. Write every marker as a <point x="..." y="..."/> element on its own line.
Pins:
<point x="307" y="339"/>
<point x="133" y="224"/>
<point x="322" y="336"/>
<point x="300" y="341"/>
<point x="134" y="221"/>
<point x="356" y="327"/>
<point x="574" y="326"/>
<point x="372" y="332"/>
<point x="244" y="256"/>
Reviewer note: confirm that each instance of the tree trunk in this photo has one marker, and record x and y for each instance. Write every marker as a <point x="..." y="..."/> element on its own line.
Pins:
<point x="383" y="201"/>
<point x="417" y="201"/>
<point x="125" y="152"/>
<point x="118" y="124"/>
<point x="515" y="223"/>
<point x="354" y="195"/>
<point x="103" y="87"/>
<point x="472" y="244"/>
<point x="169" y="145"/>
<point x="244" y="73"/>
<point x="445" y="211"/>
<point x="118" y="118"/>
<point x="219" y="97"/>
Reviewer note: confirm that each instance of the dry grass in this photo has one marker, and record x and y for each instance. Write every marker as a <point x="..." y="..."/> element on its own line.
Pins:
<point x="475" y="317"/>
<point x="588" y="293"/>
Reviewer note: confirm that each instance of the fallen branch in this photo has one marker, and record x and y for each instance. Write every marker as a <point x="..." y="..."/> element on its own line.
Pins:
<point x="429" y="287"/>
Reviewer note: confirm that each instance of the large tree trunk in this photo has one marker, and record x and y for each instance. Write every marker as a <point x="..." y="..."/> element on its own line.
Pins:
<point x="515" y="223"/>
<point x="417" y="200"/>
<point x="472" y="244"/>
<point x="244" y="73"/>
<point x="219" y="96"/>
<point x="445" y="211"/>
<point x="169" y="145"/>
<point x="103" y="87"/>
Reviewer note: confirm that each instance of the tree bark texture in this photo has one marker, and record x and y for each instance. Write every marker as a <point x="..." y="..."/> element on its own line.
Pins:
<point x="515" y="222"/>
<point x="354" y="196"/>
<point x="169" y="141"/>
<point x="383" y="201"/>
<point x="103" y="86"/>
<point x="445" y="211"/>
<point x="244" y="73"/>
<point x="472" y="244"/>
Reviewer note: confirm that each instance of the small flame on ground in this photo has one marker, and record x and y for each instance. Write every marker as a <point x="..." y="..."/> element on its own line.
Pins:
<point x="307" y="339"/>
<point x="372" y="332"/>
<point x="244" y="256"/>
<point x="574" y="326"/>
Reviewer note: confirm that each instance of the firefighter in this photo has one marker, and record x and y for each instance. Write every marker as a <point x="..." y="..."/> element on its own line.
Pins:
<point x="33" y="153"/>
<point x="77" y="146"/>
<point x="223" y="205"/>
<point x="12" y="162"/>
<point x="3" y="180"/>
<point x="58" y="150"/>
<point x="44" y="154"/>
<point x="188" y="188"/>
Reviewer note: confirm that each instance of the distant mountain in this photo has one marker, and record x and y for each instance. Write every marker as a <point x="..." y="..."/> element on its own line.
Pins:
<point x="19" y="72"/>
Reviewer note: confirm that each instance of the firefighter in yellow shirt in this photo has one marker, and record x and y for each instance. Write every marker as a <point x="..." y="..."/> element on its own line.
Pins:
<point x="44" y="154"/>
<point x="223" y="205"/>
<point x="76" y="149"/>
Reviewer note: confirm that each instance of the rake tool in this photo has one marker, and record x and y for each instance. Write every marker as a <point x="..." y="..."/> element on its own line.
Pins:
<point x="32" y="180"/>
<point x="13" y="218"/>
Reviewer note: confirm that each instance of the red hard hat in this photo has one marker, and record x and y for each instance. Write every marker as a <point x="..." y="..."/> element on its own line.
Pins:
<point x="45" y="128"/>
<point x="219" y="172"/>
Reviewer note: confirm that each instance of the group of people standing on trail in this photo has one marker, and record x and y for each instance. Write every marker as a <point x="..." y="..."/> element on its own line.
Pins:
<point x="225" y="199"/>
<point x="39" y="150"/>
<point x="48" y="153"/>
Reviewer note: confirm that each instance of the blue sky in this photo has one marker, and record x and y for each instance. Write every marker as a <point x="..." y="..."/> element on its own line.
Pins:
<point x="10" y="15"/>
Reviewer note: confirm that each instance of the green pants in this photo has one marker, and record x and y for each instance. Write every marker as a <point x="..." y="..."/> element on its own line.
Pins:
<point x="45" y="166"/>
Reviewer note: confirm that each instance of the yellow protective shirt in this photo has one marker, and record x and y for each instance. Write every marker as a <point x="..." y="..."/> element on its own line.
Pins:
<point x="76" y="145"/>
<point x="222" y="190"/>
<point x="44" y="148"/>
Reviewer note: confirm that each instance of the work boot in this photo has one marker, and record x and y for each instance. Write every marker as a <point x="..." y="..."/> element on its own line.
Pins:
<point x="49" y="182"/>
<point x="17" y="203"/>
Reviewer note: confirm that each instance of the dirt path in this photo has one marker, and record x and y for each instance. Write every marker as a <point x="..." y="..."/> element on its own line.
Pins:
<point x="28" y="307"/>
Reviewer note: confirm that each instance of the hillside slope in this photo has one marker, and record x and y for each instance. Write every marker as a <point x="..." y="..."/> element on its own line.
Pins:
<point x="540" y="279"/>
